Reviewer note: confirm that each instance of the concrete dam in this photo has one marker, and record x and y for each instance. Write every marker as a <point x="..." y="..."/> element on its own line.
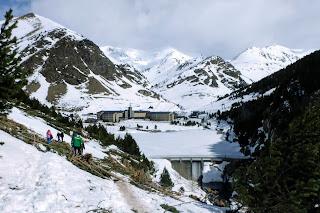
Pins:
<point x="191" y="167"/>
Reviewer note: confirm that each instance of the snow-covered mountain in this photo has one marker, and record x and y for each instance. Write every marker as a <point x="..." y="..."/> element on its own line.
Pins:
<point x="183" y="79"/>
<point x="256" y="63"/>
<point x="71" y="72"/>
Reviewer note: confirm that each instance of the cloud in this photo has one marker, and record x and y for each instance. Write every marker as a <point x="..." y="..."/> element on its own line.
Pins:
<point x="222" y="27"/>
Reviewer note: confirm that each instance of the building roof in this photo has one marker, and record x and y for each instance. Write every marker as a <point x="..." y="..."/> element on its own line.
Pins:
<point x="160" y="112"/>
<point x="112" y="111"/>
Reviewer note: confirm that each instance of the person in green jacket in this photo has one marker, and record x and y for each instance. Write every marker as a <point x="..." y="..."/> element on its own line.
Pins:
<point x="77" y="144"/>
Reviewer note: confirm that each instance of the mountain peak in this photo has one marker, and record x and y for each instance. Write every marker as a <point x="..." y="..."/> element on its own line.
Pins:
<point x="256" y="63"/>
<point x="28" y="15"/>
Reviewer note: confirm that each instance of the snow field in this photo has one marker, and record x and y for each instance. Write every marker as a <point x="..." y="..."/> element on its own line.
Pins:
<point x="33" y="181"/>
<point x="177" y="140"/>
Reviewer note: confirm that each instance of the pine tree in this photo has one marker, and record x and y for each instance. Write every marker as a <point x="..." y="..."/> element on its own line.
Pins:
<point x="129" y="145"/>
<point x="165" y="179"/>
<point x="10" y="73"/>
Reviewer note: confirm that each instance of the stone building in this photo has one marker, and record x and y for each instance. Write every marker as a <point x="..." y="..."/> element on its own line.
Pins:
<point x="110" y="116"/>
<point x="117" y="115"/>
<point x="160" y="116"/>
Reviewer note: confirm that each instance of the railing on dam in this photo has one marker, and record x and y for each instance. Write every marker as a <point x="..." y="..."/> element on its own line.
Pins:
<point x="191" y="166"/>
<point x="207" y="158"/>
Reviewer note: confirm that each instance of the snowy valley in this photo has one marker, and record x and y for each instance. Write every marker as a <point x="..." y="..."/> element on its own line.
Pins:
<point x="227" y="120"/>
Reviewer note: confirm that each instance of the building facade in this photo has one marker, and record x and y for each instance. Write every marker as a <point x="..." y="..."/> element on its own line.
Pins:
<point x="160" y="116"/>
<point x="110" y="116"/>
<point x="116" y="116"/>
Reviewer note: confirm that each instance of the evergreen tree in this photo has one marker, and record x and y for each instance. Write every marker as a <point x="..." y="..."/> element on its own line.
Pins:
<point x="129" y="145"/>
<point x="165" y="179"/>
<point x="10" y="73"/>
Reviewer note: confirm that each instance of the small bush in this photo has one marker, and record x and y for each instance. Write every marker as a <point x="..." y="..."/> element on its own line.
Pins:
<point x="169" y="208"/>
<point x="165" y="179"/>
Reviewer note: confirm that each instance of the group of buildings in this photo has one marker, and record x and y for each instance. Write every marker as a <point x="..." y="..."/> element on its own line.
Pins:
<point x="116" y="116"/>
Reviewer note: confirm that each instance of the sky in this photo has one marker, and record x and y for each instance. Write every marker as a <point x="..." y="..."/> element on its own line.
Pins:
<point x="208" y="27"/>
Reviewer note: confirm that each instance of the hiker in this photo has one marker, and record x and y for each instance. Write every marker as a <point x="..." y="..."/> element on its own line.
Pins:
<point x="227" y="135"/>
<point x="58" y="136"/>
<point x="200" y="181"/>
<point x="49" y="136"/>
<point x="82" y="147"/>
<point x="61" y="135"/>
<point x="77" y="144"/>
<point x="73" y="135"/>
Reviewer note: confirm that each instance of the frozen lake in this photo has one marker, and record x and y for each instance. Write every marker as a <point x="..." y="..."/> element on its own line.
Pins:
<point x="179" y="140"/>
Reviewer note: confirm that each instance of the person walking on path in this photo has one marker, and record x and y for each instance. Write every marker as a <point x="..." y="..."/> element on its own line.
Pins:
<point x="61" y="136"/>
<point x="77" y="144"/>
<point x="73" y="135"/>
<point x="49" y="136"/>
<point x="58" y="136"/>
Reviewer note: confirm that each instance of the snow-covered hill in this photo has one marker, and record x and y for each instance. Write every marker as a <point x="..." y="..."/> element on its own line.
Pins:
<point x="34" y="179"/>
<point x="71" y="72"/>
<point x="183" y="79"/>
<point x="256" y="63"/>
<point x="193" y="82"/>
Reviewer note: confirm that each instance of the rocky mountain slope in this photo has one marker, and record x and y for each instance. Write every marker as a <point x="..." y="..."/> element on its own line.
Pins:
<point x="256" y="63"/>
<point x="195" y="82"/>
<point x="71" y="72"/>
<point x="74" y="74"/>
<point x="185" y="80"/>
<point x="276" y="122"/>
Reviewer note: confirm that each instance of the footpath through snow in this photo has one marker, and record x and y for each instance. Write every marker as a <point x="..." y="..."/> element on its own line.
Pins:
<point x="34" y="181"/>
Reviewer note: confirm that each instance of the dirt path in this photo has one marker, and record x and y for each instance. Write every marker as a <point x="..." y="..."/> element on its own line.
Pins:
<point x="132" y="200"/>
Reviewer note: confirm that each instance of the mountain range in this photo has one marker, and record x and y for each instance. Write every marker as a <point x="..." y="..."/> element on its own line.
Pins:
<point x="192" y="82"/>
<point x="72" y="73"/>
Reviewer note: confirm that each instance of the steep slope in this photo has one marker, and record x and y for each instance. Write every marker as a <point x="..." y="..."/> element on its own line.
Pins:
<point x="256" y="63"/>
<point x="72" y="73"/>
<point x="44" y="180"/>
<point x="185" y="80"/>
<point x="199" y="82"/>
<point x="280" y="131"/>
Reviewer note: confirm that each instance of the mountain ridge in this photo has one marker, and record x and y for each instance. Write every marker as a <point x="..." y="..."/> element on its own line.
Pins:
<point x="71" y="72"/>
<point x="65" y="66"/>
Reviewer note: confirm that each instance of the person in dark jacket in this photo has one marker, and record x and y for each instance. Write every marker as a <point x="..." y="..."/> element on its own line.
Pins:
<point x="61" y="136"/>
<point x="72" y="139"/>
<point x="200" y="181"/>
<point x="58" y="136"/>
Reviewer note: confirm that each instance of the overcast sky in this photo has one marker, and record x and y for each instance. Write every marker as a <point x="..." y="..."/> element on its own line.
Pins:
<point x="209" y="27"/>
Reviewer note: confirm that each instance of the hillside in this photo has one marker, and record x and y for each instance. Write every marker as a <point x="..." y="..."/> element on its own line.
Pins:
<point x="188" y="81"/>
<point x="197" y="82"/>
<point x="71" y="72"/>
<point x="256" y="63"/>
<point x="47" y="177"/>
<point x="276" y="122"/>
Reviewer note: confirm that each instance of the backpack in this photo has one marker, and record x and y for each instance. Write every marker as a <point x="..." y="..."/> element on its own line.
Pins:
<point x="77" y="141"/>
